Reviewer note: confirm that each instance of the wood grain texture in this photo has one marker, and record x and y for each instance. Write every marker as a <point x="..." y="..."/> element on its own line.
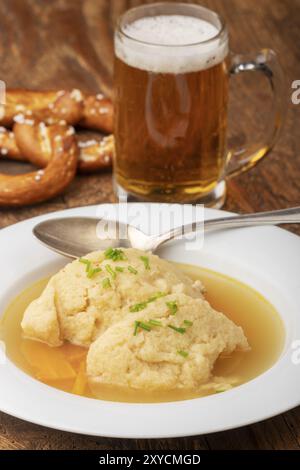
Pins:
<point x="68" y="43"/>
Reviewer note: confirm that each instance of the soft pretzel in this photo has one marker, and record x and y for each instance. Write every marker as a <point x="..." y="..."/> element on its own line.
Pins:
<point x="32" y="144"/>
<point x="40" y="135"/>
<point x="8" y="146"/>
<point x="73" y="107"/>
<point x="95" y="155"/>
<point x="97" y="113"/>
<point x="38" y="186"/>
<point x="49" y="106"/>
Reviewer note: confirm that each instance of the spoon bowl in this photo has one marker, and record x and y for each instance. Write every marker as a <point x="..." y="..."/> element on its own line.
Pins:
<point x="76" y="236"/>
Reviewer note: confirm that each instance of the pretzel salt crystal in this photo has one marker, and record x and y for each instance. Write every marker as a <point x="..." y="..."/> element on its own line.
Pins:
<point x="33" y="144"/>
<point x="38" y="186"/>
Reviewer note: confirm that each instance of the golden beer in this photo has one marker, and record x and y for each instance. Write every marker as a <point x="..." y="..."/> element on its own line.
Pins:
<point x="171" y="131"/>
<point x="171" y="110"/>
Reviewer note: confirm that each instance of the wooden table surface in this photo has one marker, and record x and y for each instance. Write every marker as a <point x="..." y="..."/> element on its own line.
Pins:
<point x="68" y="43"/>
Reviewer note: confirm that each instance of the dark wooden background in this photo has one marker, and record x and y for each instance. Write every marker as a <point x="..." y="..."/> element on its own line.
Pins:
<point x="68" y="43"/>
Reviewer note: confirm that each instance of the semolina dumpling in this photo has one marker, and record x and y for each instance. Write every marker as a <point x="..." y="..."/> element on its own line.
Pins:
<point x="78" y="306"/>
<point x="176" y="351"/>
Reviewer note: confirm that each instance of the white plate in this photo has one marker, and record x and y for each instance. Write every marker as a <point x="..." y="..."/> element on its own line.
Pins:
<point x="266" y="258"/>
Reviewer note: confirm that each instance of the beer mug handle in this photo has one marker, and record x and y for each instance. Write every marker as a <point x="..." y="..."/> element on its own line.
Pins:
<point x="242" y="159"/>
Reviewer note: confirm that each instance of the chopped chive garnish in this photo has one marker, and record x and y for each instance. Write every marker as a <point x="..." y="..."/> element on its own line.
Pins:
<point x="188" y="322"/>
<point x="115" y="254"/>
<point x="87" y="262"/>
<point x="89" y="269"/>
<point x="119" y="269"/>
<point x="106" y="283"/>
<point x="220" y="391"/>
<point x="145" y="260"/>
<point x="92" y="271"/>
<point x="172" y="306"/>
<point x="155" y="322"/>
<point x="138" y="307"/>
<point x="110" y="271"/>
<point x="178" y="330"/>
<point x="183" y="353"/>
<point x="142" y="325"/>
<point x="132" y="270"/>
<point x="97" y="270"/>
<point x="156" y="296"/>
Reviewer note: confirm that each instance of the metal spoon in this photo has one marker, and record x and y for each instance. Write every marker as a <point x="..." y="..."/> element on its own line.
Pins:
<point x="77" y="236"/>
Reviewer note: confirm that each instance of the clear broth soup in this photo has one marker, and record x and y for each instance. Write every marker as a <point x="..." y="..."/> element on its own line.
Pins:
<point x="64" y="367"/>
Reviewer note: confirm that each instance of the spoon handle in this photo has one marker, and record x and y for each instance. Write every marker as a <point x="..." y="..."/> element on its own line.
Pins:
<point x="282" y="216"/>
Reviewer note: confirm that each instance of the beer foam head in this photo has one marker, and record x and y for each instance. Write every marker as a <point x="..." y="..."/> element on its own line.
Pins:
<point x="143" y="44"/>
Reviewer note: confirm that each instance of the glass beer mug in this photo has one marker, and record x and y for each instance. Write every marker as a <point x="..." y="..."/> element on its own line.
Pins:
<point x="172" y="70"/>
